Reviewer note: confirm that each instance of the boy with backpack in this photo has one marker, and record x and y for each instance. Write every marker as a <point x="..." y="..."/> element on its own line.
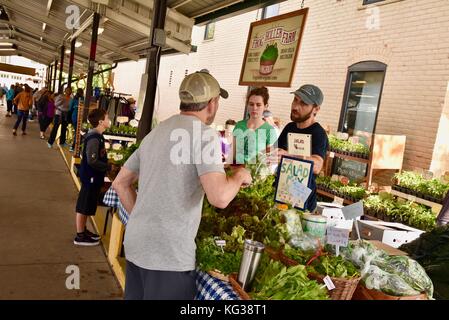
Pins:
<point x="94" y="165"/>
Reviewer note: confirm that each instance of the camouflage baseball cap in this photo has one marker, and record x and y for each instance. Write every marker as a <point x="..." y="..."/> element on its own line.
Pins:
<point x="200" y="87"/>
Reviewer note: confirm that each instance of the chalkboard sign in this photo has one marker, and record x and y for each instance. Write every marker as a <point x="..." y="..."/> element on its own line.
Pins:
<point x="352" y="169"/>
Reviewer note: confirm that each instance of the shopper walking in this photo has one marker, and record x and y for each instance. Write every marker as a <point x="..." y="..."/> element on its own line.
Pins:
<point x="73" y="112"/>
<point x="24" y="101"/>
<point x="62" y="109"/>
<point x="2" y="95"/>
<point x="17" y="89"/>
<point x="94" y="166"/>
<point x="46" y="110"/>
<point x="166" y="213"/>
<point x="254" y="135"/>
<point x="9" y="100"/>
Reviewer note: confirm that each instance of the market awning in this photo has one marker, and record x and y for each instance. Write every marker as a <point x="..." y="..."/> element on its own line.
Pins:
<point x="36" y="29"/>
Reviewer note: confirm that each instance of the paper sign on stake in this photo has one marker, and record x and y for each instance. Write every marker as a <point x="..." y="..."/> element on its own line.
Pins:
<point x="329" y="283"/>
<point x="337" y="236"/>
<point x="353" y="211"/>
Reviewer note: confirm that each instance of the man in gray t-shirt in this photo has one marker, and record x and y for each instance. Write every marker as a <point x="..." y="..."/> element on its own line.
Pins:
<point x="176" y="165"/>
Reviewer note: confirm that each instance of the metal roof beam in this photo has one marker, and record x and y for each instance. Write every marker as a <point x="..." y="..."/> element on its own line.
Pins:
<point x="33" y="14"/>
<point x="218" y="6"/>
<point x="179" y="3"/>
<point x="171" y="14"/>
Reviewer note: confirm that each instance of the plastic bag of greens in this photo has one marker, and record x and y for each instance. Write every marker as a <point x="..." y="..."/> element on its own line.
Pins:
<point x="362" y="254"/>
<point x="306" y="243"/>
<point x="409" y="270"/>
<point x="293" y="223"/>
<point x="392" y="284"/>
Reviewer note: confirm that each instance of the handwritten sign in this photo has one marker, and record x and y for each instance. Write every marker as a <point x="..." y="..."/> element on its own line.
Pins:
<point x="353" y="211"/>
<point x="300" y="191"/>
<point x="337" y="236"/>
<point x="272" y="49"/>
<point x="291" y="172"/>
<point x="299" y="144"/>
<point x="339" y="200"/>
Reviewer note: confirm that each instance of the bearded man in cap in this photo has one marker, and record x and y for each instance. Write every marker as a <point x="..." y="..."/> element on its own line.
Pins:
<point x="177" y="163"/>
<point x="305" y="107"/>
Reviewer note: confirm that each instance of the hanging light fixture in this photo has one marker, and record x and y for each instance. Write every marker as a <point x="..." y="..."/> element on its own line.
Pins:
<point x="78" y="44"/>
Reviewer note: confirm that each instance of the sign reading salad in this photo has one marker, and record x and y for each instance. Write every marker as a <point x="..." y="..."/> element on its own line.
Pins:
<point x="293" y="181"/>
<point x="271" y="50"/>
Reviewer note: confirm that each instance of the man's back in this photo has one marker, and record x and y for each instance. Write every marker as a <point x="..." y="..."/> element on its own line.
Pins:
<point x="164" y="222"/>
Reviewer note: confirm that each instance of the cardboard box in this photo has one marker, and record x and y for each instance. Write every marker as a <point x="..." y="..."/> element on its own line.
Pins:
<point x="334" y="215"/>
<point x="390" y="233"/>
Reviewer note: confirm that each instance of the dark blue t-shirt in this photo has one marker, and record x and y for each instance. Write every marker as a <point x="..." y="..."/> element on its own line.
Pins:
<point x="320" y="145"/>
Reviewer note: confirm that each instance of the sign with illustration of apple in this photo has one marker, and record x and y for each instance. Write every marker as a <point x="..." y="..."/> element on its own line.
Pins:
<point x="272" y="49"/>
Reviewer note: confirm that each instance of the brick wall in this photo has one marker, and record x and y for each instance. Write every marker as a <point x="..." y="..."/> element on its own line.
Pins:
<point x="413" y="40"/>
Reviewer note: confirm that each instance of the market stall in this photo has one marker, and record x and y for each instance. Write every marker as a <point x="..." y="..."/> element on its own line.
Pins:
<point x="298" y="260"/>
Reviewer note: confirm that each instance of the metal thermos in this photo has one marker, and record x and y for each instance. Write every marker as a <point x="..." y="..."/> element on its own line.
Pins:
<point x="250" y="261"/>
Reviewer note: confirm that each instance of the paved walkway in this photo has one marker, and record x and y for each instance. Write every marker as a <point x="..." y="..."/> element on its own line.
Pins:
<point x="37" y="224"/>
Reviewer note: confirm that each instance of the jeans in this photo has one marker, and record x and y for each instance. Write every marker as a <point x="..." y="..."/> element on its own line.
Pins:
<point x="44" y="122"/>
<point x="59" y="120"/>
<point x="9" y="105"/>
<point x="21" y="115"/>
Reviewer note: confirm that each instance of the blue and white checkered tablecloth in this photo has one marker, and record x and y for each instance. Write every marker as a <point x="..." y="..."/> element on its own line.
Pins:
<point x="209" y="288"/>
<point x="111" y="199"/>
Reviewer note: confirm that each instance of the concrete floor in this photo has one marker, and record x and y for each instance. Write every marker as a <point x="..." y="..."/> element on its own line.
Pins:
<point x="37" y="224"/>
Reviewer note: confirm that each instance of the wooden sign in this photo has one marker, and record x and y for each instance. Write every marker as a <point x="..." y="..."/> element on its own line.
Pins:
<point x="272" y="49"/>
<point x="299" y="144"/>
<point x="292" y="171"/>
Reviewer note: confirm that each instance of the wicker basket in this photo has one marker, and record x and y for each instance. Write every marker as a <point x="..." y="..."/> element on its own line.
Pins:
<point x="238" y="288"/>
<point x="344" y="288"/>
<point x="217" y="274"/>
<point x="363" y="293"/>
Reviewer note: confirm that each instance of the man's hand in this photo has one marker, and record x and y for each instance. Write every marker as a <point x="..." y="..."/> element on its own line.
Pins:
<point x="244" y="175"/>
<point x="276" y="155"/>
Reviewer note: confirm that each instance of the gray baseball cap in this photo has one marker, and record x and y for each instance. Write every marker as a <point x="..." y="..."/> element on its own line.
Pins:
<point x="310" y="94"/>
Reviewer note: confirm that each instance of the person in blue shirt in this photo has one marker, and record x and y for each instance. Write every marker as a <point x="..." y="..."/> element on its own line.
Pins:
<point x="10" y="94"/>
<point x="306" y="104"/>
<point x="73" y="111"/>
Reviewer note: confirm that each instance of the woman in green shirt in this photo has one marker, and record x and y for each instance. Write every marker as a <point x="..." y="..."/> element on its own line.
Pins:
<point x="254" y="135"/>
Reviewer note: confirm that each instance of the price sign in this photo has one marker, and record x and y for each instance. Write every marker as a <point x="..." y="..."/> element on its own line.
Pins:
<point x="337" y="236"/>
<point x="329" y="283"/>
<point x="339" y="200"/>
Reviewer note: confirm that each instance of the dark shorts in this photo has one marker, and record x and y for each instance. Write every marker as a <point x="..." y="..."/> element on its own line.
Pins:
<point x="143" y="284"/>
<point x="88" y="199"/>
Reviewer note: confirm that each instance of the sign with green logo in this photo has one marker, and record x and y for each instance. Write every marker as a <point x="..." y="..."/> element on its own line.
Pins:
<point x="271" y="50"/>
